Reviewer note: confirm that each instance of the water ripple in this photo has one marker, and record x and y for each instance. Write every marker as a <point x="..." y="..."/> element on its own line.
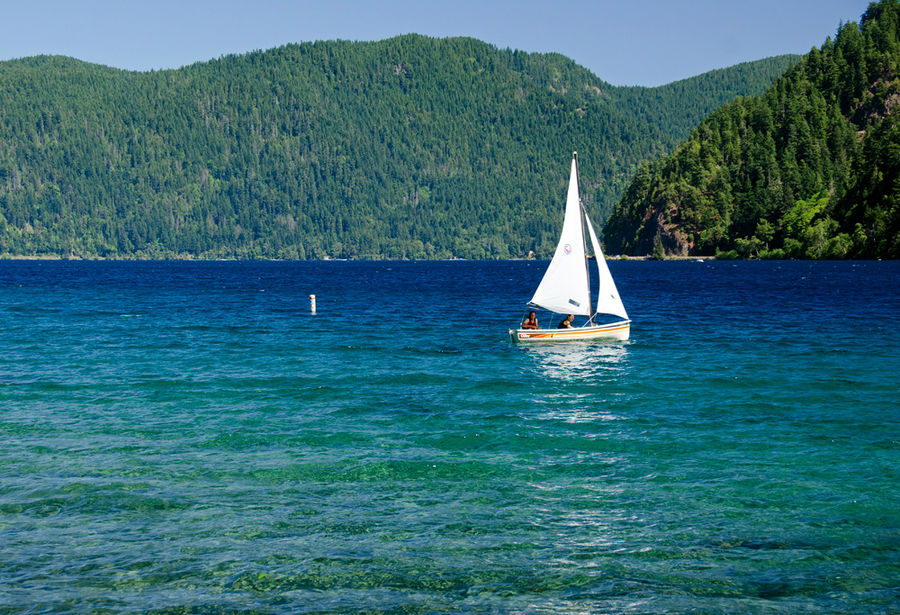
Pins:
<point x="179" y="437"/>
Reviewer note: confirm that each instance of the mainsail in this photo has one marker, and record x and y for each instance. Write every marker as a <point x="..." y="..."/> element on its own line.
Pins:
<point x="565" y="289"/>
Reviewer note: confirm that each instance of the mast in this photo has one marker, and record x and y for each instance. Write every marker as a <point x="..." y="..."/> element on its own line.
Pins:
<point x="587" y="266"/>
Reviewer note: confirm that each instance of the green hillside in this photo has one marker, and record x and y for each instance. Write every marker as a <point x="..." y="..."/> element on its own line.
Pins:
<point x="411" y="147"/>
<point x="810" y="169"/>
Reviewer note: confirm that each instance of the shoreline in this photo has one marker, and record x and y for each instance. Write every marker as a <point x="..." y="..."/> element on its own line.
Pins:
<point x="54" y="257"/>
<point x="189" y="259"/>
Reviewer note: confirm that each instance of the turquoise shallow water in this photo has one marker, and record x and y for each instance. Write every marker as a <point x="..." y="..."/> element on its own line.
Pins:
<point x="185" y="437"/>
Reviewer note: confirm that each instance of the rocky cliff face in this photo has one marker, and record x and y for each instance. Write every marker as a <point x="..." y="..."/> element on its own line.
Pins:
<point x="660" y="236"/>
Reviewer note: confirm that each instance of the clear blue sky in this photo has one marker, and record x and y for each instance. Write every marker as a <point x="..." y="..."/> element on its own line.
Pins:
<point x="624" y="42"/>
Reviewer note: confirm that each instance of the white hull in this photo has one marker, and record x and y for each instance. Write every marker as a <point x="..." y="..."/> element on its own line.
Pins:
<point x="616" y="331"/>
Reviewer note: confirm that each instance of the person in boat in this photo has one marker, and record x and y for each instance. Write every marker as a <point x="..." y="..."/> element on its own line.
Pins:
<point x="566" y="322"/>
<point x="531" y="322"/>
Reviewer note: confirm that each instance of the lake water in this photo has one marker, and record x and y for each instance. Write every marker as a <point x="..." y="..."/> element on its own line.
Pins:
<point x="186" y="437"/>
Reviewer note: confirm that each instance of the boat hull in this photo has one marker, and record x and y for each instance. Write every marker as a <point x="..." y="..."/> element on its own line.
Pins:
<point x="615" y="331"/>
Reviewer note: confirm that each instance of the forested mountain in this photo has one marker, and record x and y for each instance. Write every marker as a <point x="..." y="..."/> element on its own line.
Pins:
<point x="412" y="147"/>
<point x="810" y="169"/>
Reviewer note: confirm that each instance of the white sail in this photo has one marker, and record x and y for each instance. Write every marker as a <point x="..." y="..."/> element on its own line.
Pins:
<point x="564" y="288"/>
<point x="608" y="299"/>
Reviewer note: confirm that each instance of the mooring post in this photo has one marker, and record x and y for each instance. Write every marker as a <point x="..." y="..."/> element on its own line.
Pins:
<point x="312" y="304"/>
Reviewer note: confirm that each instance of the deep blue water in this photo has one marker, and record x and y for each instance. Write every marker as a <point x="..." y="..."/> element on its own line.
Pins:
<point x="186" y="437"/>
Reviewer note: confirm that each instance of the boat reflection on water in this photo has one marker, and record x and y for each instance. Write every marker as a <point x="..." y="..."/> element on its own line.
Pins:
<point x="578" y="361"/>
<point x="584" y="378"/>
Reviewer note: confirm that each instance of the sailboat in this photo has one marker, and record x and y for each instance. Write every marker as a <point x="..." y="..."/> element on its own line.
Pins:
<point x="566" y="285"/>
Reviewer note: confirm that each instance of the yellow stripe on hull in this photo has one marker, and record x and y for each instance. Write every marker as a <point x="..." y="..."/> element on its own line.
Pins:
<point x="616" y="331"/>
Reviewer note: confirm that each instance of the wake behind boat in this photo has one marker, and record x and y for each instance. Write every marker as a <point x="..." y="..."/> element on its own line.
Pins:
<point x="566" y="285"/>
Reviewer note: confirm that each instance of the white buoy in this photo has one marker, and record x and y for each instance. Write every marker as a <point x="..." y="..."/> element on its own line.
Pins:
<point x="312" y="304"/>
